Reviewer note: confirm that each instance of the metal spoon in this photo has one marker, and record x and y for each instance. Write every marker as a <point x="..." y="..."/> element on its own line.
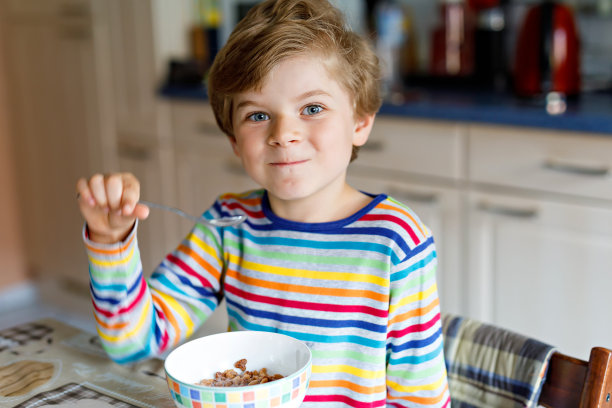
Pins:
<point x="215" y="222"/>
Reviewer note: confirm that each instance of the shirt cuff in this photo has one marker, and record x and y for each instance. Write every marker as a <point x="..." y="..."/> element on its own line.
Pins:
<point x="98" y="250"/>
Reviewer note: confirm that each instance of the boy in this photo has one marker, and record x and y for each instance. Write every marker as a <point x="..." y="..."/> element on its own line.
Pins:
<point x="351" y="274"/>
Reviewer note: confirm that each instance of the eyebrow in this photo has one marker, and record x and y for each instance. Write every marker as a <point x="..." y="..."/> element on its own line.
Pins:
<point x="309" y="94"/>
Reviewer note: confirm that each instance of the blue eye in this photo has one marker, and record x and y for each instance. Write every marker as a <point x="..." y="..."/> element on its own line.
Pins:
<point x="312" y="109"/>
<point x="258" y="117"/>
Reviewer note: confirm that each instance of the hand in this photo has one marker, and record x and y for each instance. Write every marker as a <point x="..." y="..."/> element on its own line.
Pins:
<point x="109" y="204"/>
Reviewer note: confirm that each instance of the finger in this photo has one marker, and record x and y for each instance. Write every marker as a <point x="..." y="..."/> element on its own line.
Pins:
<point x="131" y="193"/>
<point x="141" y="211"/>
<point x="83" y="192"/>
<point x="114" y="191"/>
<point x="96" y="186"/>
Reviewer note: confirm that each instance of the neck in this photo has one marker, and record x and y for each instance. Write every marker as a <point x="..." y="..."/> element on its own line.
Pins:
<point x="331" y="206"/>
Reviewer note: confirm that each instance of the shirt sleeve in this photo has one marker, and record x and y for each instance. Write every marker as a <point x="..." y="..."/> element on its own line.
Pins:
<point x="138" y="318"/>
<point x="416" y="371"/>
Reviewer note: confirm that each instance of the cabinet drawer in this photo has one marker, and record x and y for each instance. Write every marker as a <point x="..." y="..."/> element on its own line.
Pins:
<point x="567" y="163"/>
<point x="414" y="146"/>
<point x="194" y="124"/>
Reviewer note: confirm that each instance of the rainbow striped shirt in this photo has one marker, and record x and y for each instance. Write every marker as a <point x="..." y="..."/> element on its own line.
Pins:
<point x="361" y="292"/>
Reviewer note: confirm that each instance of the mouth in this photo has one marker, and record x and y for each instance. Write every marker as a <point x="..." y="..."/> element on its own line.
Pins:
<point x="287" y="163"/>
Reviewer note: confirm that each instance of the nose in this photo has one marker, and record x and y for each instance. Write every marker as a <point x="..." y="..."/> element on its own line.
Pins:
<point x="285" y="131"/>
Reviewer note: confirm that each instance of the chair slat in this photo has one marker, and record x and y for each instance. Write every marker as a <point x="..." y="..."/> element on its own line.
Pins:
<point x="564" y="382"/>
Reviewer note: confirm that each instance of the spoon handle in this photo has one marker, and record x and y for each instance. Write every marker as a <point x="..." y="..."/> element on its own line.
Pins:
<point x="215" y="222"/>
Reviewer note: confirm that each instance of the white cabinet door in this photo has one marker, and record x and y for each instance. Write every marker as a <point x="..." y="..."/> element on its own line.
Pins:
<point x="60" y="132"/>
<point x="204" y="175"/>
<point x="136" y="74"/>
<point x="439" y="208"/>
<point x="206" y="166"/>
<point x="158" y="234"/>
<point x="542" y="268"/>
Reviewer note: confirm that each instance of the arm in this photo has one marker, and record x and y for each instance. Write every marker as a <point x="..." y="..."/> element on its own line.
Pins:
<point x="416" y="372"/>
<point x="136" y="318"/>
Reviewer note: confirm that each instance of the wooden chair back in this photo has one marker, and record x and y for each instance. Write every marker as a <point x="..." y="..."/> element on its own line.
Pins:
<point x="575" y="383"/>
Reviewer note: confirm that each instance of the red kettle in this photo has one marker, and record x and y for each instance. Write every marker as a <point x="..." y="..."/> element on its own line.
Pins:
<point x="547" y="52"/>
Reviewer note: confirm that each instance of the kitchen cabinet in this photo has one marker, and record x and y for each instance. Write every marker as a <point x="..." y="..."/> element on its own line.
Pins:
<point x="566" y="164"/>
<point x="158" y="234"/>
<point x="539" y="225"/>
<point x="144" y="143"/>
<point x="541" y="267"/>
<point x="206" y="166"/>
<point x="82" y="80"/>
<point x="523" y="239"/>
<point x="59" y="91"/>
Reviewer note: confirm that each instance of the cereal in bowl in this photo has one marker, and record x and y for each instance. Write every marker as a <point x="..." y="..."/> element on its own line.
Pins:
<point x="230" y="378"/>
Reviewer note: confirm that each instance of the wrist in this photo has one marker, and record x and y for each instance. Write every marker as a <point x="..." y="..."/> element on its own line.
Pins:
<point x="108" y="238"/>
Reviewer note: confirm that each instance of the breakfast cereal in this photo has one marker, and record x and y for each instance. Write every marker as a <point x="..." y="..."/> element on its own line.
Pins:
<point x="230" y="378"/>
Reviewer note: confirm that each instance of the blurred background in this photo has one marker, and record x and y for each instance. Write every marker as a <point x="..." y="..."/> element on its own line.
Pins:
<point x="104" y="85"/>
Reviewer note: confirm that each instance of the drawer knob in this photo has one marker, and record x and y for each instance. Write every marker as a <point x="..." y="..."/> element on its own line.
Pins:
<point x="373" y="146"/>
<point x="132" y="152"/>
<point x="583" y="169"/>
<point x="414" y="196"/>
<point x="208" y="129"/>
<point x="505" y="210"/>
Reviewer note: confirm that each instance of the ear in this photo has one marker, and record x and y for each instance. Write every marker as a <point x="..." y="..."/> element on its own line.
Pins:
<point x="232" y="140"/>
<point x="363" y="127"/>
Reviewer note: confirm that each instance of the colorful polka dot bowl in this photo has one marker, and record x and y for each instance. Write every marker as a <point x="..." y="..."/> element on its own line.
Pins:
<point x="201" y="358"/>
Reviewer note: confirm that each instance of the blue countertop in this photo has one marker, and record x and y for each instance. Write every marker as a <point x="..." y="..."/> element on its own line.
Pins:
<point x="590" y="112"/>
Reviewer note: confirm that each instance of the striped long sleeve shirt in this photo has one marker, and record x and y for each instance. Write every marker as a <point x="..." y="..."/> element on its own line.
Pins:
<point x="361" y="292"/>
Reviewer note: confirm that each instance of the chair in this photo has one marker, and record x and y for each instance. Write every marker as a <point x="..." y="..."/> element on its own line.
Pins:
<point x="575" y="383"/>
<point x="489" y="366"/>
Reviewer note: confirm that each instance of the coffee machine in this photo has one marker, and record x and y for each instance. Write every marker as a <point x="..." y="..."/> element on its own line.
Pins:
<point x="490" y="44"/>
<point x="547" y="52"/>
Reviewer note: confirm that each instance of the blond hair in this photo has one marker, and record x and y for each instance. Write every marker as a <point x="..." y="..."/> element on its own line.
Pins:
<point x="278" y="29"/>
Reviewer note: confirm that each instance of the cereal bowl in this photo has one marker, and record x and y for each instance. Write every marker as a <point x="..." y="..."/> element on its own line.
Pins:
<point x="201" y="358"/>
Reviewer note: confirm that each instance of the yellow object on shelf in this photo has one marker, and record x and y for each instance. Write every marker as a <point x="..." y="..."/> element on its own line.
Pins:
<point x="208" y="12"/>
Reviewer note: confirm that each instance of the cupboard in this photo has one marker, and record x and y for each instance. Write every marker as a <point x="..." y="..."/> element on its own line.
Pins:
<point x="522" y="219"/>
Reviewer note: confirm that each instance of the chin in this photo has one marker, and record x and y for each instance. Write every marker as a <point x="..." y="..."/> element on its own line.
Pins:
<point x="289" y="193"/>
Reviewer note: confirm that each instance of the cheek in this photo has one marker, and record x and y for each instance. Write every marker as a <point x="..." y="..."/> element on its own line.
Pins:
<point x="250" y="153"/>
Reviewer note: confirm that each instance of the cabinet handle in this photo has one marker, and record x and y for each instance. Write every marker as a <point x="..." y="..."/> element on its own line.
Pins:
<point x="234" y="167"/>
<point x="415" y="196"/>
<point x="75" y="32"/>
<point x="208" y="129"/>
<point x="74" y="10"/>
<point x="576" y="168"/>
<point x="505" y="210"/>
<point x="134" y="152"/>
<point x="373" y="146"/>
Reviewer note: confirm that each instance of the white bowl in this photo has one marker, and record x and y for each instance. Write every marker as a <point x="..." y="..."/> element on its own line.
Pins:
<point x="201" y="358"/>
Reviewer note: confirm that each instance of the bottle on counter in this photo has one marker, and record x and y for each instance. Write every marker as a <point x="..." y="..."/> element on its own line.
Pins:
<point x="452" y="52"/>
<point x="394" y="43"/>
<point x="204" y="33"/>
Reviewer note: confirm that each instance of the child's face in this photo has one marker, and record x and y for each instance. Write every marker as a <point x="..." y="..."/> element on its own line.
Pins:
<point x="295" y="136"/>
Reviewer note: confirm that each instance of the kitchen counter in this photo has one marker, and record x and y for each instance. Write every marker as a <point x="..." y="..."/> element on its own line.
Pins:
<point x="590" y="112"/>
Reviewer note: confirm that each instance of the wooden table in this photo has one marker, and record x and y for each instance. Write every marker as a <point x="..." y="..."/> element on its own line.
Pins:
<point x="47" y="363"/>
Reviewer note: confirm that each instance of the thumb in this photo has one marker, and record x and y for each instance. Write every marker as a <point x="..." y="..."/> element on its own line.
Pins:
<point x="141" y="211"/>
